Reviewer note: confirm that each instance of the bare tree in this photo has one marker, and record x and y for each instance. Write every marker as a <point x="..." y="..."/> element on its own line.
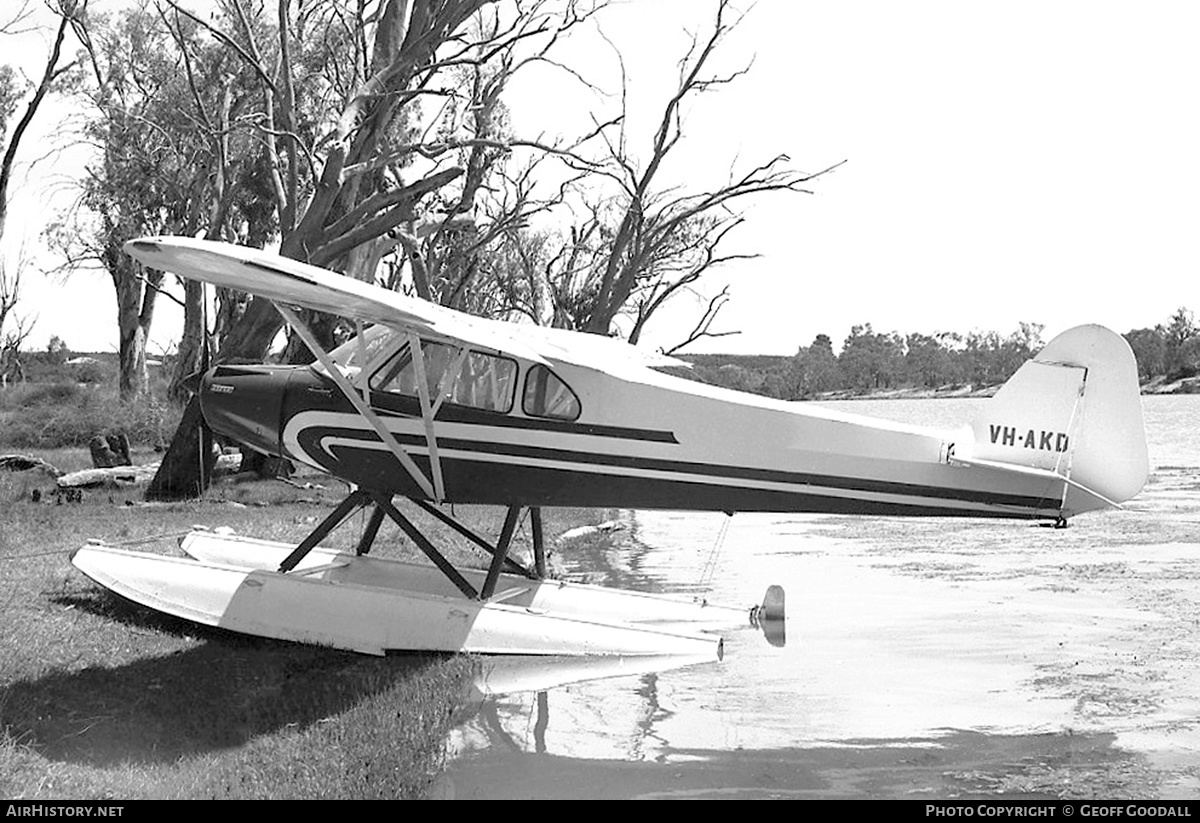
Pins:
<point x="12" y="334"/>
<point x="11" y="93"/>
<point x="68" y="11"/>
<point x="11" y="368"/>
<point x="20" y="20"/>
<point x="14" y="329"/>
<point x="638" y="243"/>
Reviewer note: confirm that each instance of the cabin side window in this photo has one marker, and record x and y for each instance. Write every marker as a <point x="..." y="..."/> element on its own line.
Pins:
<point x="481" y="381"/>
<point x="546" y="395"/>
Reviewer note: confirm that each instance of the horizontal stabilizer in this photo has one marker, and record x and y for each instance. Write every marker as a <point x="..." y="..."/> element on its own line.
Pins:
<point x="1030" y="471"/>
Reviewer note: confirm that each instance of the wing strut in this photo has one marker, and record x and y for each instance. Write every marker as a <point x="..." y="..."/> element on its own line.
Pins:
<point x="427" y="412"/>
<point x="433" y="490"/>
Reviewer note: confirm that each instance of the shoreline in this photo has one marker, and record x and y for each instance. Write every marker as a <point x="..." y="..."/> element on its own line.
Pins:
<point x="1188" y="385"/>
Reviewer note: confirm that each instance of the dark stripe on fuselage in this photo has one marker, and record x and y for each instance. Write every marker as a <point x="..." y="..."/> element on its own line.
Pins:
<point x="522" y="484"/>
<point x="310" y="438"/>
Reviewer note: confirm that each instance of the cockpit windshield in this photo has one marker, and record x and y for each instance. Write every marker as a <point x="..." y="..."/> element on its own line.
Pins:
<point x="465" y="378"/>
<point x="355" y="352"/>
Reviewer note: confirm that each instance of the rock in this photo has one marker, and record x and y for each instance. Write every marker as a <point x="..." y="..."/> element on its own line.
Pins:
<point x="24" y="462"/>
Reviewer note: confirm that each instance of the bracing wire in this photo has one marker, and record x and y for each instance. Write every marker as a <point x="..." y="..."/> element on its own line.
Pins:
<point x="709" y="570"/>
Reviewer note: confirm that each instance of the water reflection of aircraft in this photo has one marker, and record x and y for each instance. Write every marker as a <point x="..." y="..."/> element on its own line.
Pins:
<point x="602" y="707"/>
<point x="511" y="674"/>
<point x="438" y="407"/>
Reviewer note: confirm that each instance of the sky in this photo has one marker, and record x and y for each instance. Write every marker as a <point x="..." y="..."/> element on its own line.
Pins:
<point x="1024" y="161"/>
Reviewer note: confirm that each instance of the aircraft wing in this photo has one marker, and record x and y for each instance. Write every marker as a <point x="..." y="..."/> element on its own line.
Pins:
<point x="298" y="284"/>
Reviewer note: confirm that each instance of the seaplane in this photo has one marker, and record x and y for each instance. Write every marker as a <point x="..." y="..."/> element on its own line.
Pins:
<point x="437" y="407"/>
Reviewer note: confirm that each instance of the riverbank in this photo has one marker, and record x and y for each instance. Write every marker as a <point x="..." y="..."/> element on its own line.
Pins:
<point x="103" y="699"/>
<point x="1157" y="386"/>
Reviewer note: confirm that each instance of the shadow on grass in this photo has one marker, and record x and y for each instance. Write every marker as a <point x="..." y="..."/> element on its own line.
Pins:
<point x="212" y="697"/>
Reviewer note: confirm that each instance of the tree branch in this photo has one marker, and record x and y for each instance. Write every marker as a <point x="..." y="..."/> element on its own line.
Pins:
<point x="43" y="88"/>
<point x="702" y="327"/>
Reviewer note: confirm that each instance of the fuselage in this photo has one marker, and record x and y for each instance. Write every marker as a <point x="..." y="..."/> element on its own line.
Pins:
<point x="515" y="432"/>
<point x="496" y="412"/>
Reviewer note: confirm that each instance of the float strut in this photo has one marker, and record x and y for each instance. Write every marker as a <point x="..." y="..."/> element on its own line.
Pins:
<point x="424" y="545"/>
<point x="509" y="564"/>
<point x="353" y="501"/>
<point x="506" y="533"/>
<point x="539" y="546"/>
<point x="370" y="532"/>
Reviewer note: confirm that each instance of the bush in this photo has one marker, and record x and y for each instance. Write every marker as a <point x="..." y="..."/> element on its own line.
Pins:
<point x="63" y="416"/>
<point x="93" y="373"/>
<point x="49" y="395"/>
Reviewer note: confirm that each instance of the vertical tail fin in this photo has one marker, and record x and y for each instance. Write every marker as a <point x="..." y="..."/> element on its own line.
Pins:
<point x="1074" y="409"/>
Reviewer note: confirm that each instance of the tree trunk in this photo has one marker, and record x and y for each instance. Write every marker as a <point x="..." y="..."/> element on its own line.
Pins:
<point x="322" y="326"/>
<point x="182" y="474"/>
<point x="187" y="467"/>
<point x="191" y="344"/>
<point x="251" y="336"/>
<point x="135" y="376"/>
<point x="135" y="311"/>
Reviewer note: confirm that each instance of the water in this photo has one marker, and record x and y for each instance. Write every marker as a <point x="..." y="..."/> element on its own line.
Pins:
<point x="923" y="657"/>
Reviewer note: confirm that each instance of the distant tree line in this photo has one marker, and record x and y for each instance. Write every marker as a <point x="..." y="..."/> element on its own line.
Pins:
<point x="872" y="361"/>
<point x="1171" y="352"/>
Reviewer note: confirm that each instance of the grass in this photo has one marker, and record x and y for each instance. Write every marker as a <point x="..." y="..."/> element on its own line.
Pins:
<point x="100" y="698"/>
